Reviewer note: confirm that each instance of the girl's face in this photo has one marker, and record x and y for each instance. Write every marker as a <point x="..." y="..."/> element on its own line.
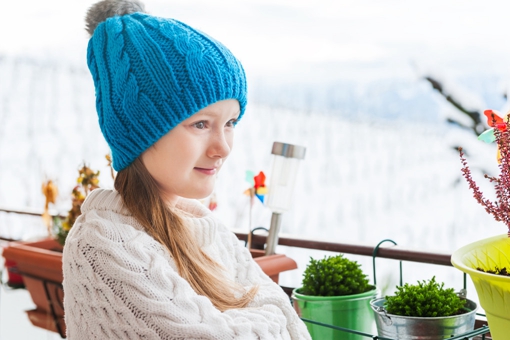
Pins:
<point x="185" y="161"/>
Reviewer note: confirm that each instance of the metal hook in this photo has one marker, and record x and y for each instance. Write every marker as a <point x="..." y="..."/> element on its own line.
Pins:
<point x="462" y="293"/>
<point x="374" y="255"/>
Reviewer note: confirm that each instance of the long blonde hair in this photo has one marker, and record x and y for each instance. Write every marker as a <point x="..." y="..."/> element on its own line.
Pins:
<point x="141" y="195"/>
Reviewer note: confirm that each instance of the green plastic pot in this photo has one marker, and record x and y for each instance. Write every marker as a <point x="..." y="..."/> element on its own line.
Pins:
<point x="349" y="311"/>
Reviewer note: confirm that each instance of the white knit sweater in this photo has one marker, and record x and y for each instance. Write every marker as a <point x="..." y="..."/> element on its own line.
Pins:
<point x="120" y="283"/>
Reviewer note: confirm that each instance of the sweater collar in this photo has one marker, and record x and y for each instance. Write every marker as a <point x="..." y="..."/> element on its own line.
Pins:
<point x="195" y="215"/>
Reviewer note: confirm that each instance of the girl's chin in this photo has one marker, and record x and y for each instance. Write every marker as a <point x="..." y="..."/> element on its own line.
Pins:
<point x="202" y="194"/>
<point x="198" y="190"/>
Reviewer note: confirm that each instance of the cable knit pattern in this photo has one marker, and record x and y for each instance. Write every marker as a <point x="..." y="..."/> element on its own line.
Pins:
<point x="120" y="283"/>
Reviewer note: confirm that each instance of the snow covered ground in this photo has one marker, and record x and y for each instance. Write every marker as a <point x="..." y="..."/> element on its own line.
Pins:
<point x="344" y="79"/>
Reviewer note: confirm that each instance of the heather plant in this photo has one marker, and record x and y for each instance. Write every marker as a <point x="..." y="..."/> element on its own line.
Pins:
<point x="500" y="133"/>
<point x="425" y="299"/>
<point x="334" y="276"/>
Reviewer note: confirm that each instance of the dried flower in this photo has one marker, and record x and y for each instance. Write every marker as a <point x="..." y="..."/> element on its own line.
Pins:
<point x="88" y="180"/>
<point x="50" y="192"/>
<point x="110" y="165"/>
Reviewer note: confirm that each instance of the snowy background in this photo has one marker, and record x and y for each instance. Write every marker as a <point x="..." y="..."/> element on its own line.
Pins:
<point x="343" y="78"/>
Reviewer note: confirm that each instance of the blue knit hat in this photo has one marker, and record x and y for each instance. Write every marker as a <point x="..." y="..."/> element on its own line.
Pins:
<point x="152" y="73"/>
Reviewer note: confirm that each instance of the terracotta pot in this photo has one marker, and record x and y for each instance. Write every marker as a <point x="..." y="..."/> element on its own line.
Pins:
<point x="40" y="264"/>
<point x="273" y="265"/>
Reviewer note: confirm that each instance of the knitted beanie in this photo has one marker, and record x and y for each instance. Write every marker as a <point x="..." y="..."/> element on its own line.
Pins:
<point x="152" y="73"/>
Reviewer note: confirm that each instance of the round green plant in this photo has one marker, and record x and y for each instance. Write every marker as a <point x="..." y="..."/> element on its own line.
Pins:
<point x="425" y="299"/>
<point x="334" y="276"/>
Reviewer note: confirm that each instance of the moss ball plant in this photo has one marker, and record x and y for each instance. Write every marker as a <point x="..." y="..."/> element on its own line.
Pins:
<point x="334" y="276"/>
<point x="425" y="299"/>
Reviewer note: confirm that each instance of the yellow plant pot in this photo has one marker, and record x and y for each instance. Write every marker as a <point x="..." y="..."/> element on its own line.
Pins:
<point x="493" y="290"/>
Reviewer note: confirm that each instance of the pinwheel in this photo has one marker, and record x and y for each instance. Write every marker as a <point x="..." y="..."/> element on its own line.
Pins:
<point x="257" y="189"/>
<point x="495" y="121"/>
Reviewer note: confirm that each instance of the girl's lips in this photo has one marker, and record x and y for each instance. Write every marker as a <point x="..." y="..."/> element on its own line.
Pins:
<point x="206" y="171"/>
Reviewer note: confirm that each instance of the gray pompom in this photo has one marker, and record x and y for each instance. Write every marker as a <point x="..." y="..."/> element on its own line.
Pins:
<point x="105" y="9"/>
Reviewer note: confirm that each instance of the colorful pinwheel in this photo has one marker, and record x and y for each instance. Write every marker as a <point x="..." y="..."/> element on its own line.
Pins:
<point x="257" y="189"/>
<point x="495" y="121"/>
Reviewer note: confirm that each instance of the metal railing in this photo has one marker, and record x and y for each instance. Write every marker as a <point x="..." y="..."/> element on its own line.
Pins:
<point x="28" y="211"/>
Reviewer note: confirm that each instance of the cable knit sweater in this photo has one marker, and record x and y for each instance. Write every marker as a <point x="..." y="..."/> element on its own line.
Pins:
<point x="120" y="283"/>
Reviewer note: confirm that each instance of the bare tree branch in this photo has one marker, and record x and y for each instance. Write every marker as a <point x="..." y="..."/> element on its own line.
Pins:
<point x="477" y="127"/>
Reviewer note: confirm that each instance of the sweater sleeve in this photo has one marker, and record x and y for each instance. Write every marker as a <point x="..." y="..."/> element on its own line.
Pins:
<point x="249" y="273"/>
<point x="119" y="283"/>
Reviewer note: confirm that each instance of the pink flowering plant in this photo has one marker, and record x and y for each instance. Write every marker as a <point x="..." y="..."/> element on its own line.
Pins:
<point x="500" y="133"/>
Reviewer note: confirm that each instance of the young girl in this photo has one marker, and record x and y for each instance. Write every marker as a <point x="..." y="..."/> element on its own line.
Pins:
<point x="146" y="260"/>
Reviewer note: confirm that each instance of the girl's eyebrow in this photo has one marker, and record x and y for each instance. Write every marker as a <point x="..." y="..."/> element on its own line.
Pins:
<point x="206" y="113"/>
<point x="213" y="113"/>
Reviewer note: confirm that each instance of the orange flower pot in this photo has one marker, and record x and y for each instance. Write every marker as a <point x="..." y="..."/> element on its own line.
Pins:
<point x="273" y="265"/>
<point x="40" y="265"/>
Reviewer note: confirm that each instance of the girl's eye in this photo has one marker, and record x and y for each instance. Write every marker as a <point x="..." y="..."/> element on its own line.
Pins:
<point x="232" y="123"/>
<point x="200" y="125"/>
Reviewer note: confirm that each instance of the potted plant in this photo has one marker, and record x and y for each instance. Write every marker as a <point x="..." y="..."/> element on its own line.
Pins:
<point x="486" y="261"/>
<point x="423" y="311"/>
<point x="335" y="291"/>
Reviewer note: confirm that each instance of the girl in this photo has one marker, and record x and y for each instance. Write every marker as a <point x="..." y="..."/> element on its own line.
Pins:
<point x="146" y="260"/>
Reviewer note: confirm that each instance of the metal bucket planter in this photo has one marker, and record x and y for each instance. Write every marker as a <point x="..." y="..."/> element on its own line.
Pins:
<point x="422" y="328"/>
<point x="493" y="290"/>
<point x="349" y="311"/>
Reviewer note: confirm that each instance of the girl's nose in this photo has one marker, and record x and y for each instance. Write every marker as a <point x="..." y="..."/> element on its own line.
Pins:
<point x="220" y="145"/>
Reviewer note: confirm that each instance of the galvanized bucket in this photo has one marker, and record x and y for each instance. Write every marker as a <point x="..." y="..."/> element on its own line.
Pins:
<point x="421" y="328"/>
